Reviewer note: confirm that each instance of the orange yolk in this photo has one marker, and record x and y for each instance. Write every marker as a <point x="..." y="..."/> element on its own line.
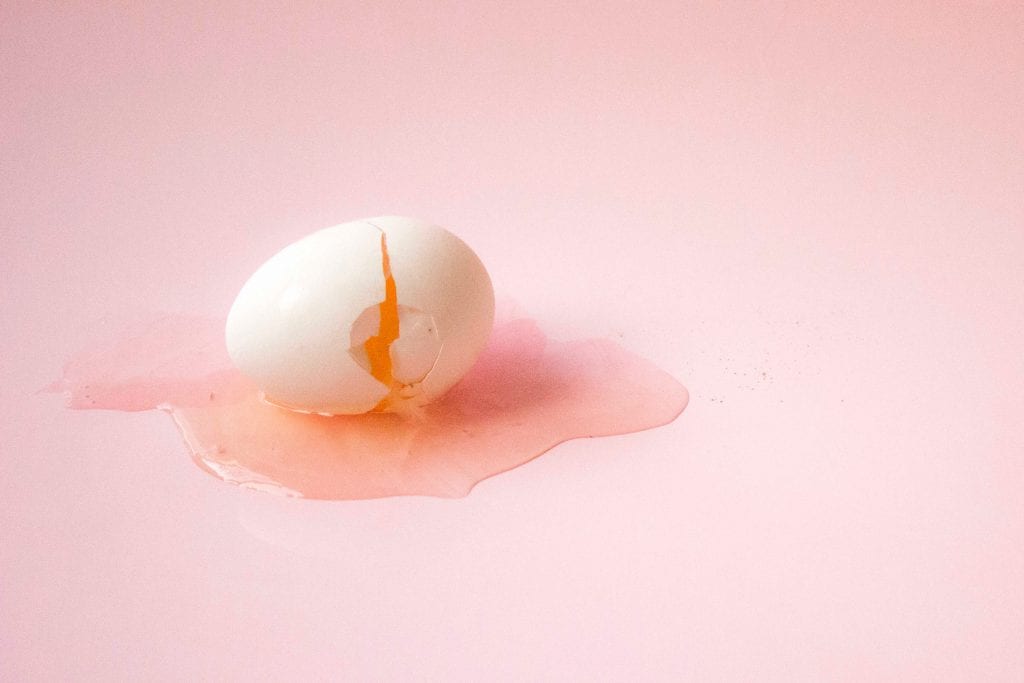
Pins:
<point x="378" y="347"/>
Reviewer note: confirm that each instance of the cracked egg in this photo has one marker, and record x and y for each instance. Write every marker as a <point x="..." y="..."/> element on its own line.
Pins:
<point x="376" y="315"/>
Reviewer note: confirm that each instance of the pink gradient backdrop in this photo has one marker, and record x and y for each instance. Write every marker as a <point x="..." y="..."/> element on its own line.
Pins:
<point x="812" y="215"/>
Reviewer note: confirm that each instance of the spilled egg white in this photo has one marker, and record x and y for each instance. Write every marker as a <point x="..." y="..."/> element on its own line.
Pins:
<point x="307" y="326"/>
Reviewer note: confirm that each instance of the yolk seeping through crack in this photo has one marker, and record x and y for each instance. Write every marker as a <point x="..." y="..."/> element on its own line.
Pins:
<point x="378" y="347"/>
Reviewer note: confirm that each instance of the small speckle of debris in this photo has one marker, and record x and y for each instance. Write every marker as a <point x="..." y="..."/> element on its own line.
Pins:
<point x="211" y="395"/>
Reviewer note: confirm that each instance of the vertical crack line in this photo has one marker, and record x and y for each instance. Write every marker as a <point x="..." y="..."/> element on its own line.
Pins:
<point x="378" y="347"/>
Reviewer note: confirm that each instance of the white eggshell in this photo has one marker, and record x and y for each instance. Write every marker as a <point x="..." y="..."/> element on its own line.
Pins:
<point x="298" y="324"/>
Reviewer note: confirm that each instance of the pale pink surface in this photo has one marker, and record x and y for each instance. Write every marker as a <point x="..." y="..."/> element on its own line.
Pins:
<point x="813" y="216"/>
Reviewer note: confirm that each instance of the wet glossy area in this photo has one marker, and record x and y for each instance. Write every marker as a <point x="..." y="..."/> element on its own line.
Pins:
<point x="525" y="395"/>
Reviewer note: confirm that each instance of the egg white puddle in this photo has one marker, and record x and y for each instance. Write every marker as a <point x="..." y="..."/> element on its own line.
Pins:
<point x="523" y="396"/>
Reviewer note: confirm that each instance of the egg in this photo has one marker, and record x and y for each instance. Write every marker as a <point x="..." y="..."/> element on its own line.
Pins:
<point x="379" y="314"/>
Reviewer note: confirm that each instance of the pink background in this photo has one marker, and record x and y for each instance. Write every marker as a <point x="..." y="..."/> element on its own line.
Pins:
<point x="812" y="215"/>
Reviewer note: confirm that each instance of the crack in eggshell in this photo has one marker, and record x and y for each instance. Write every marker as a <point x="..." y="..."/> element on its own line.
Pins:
<point x="378" y="346"/>
<point x="397" y="345"/>
<point x="453" y="288"/>
<point x="413" y="354"/>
